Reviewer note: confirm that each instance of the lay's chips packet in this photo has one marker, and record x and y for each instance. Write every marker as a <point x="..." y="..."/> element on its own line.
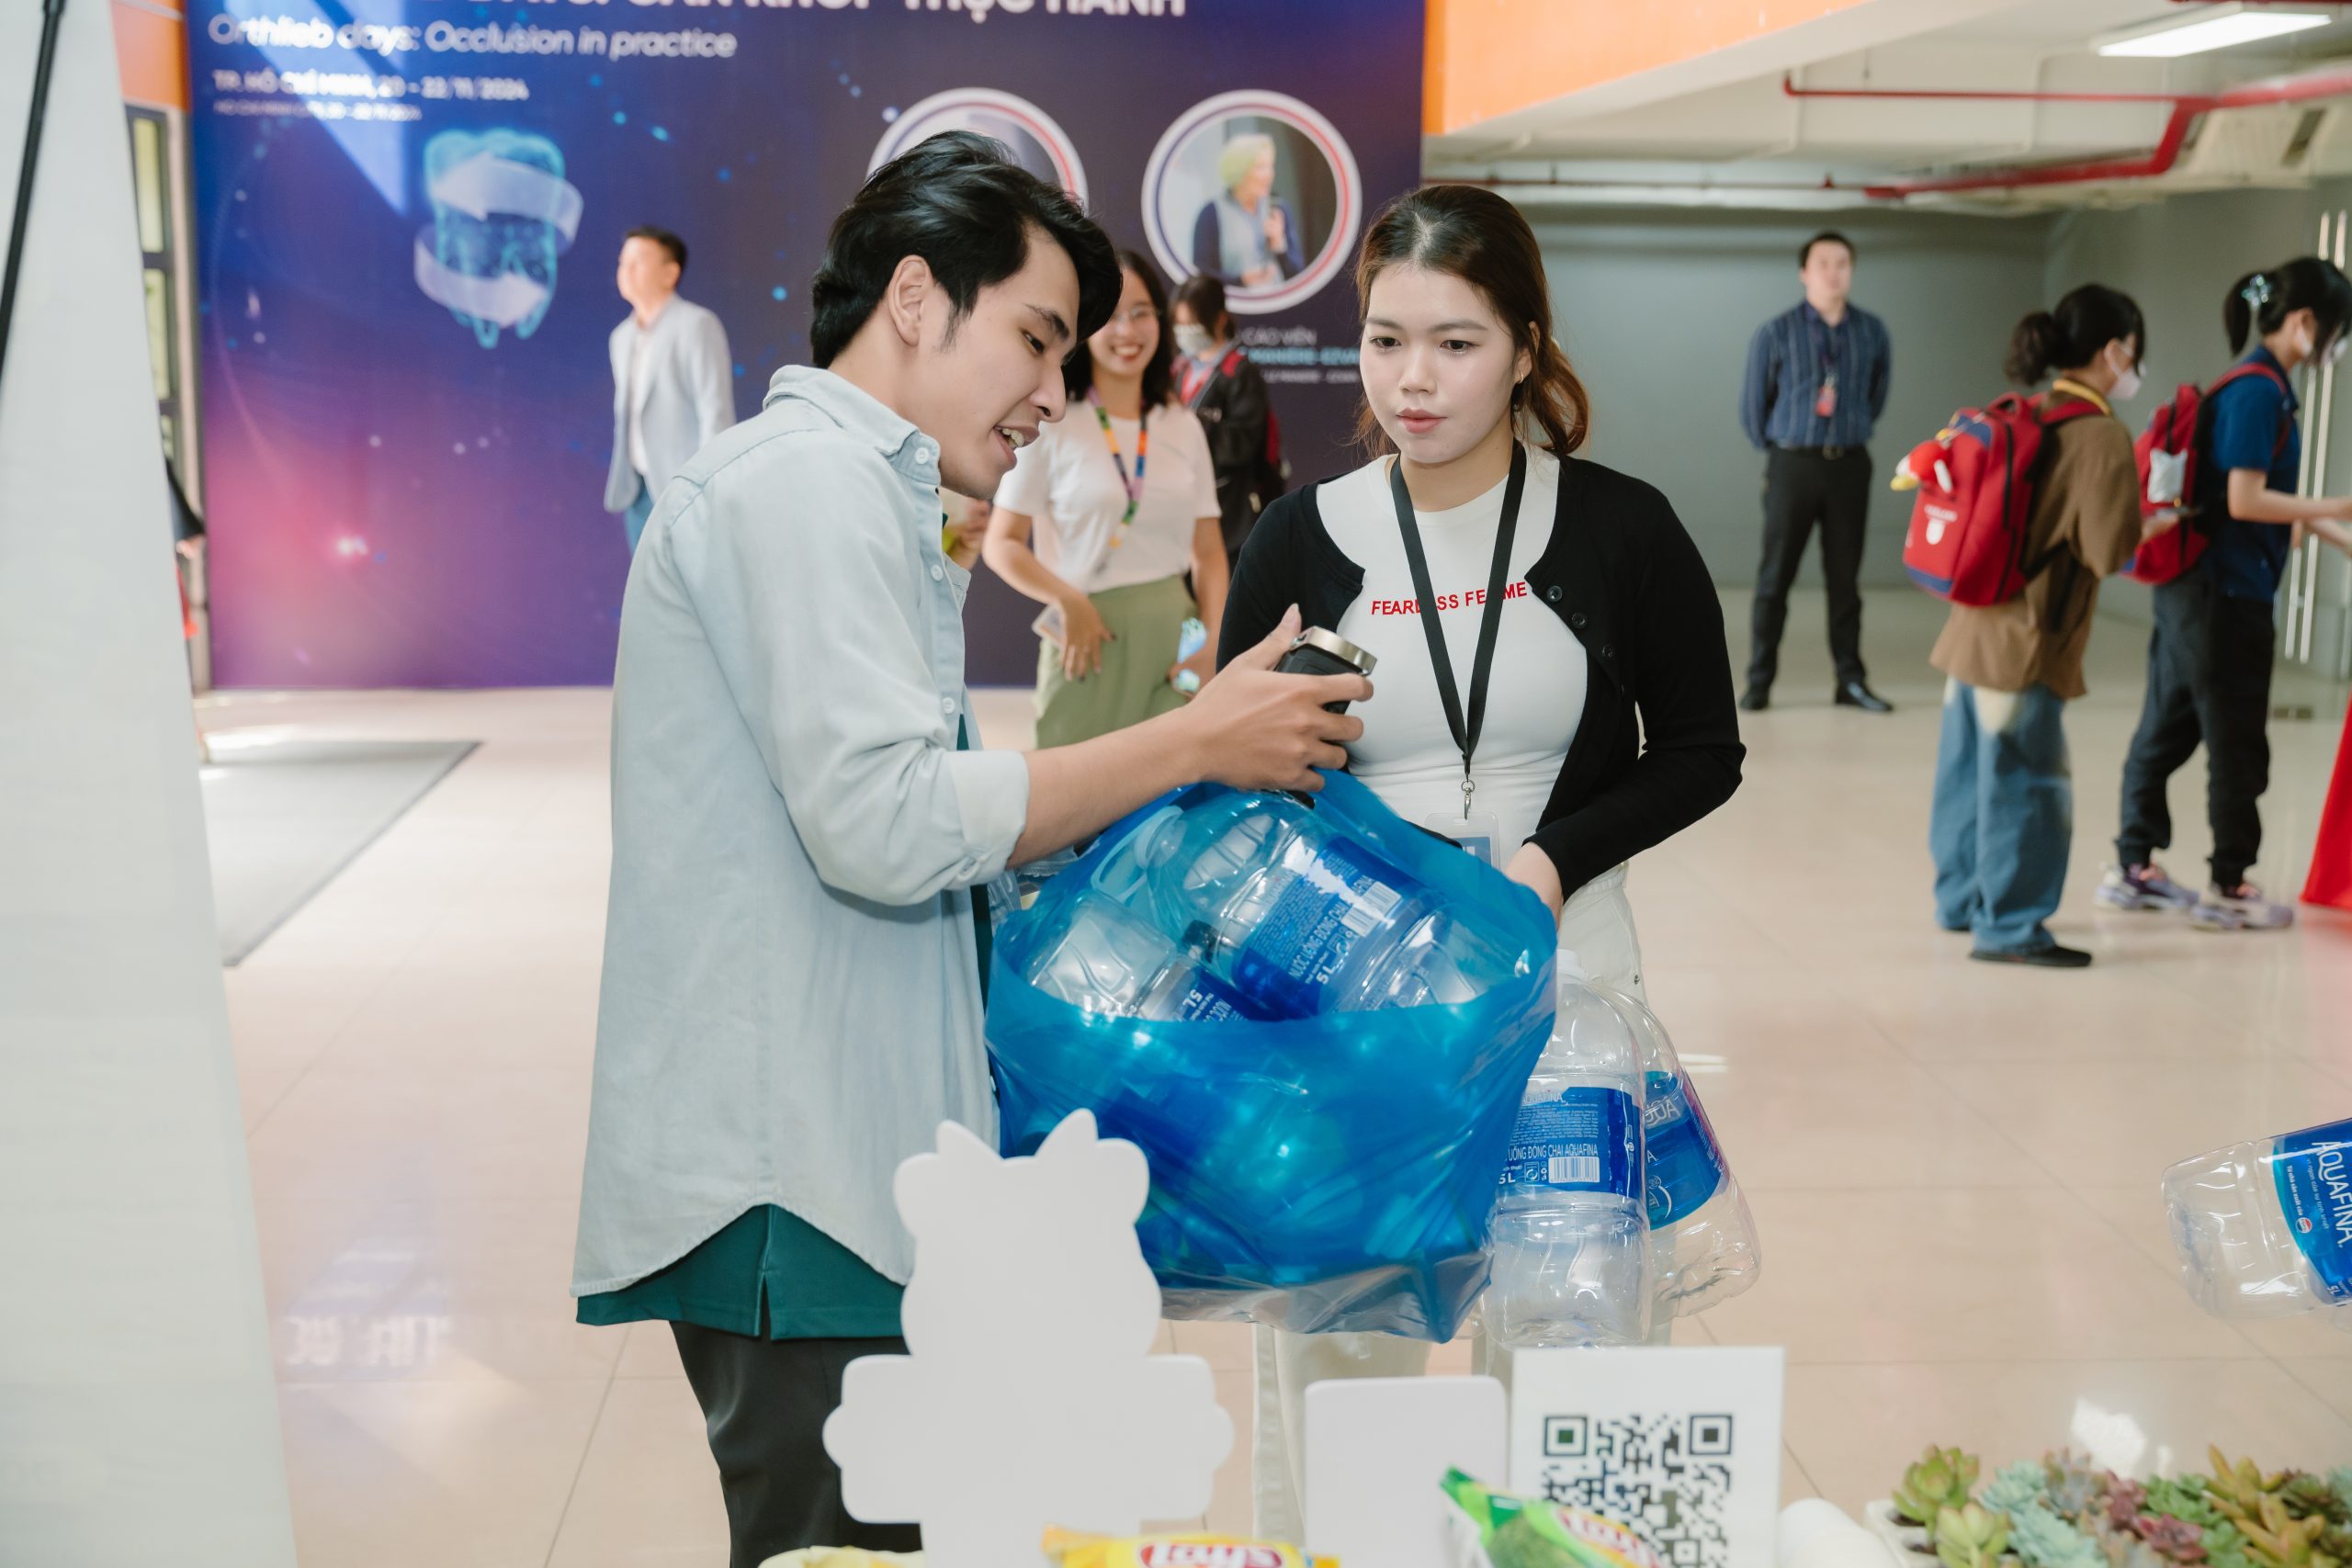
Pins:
<point x="1495" y="1529"/>
<point x="1070" y="1549"/>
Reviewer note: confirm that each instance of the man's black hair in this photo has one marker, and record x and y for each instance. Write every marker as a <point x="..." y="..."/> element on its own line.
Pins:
<point x="959" y="202"/>
<point x="1827" y="237"/>
<point x="664" y="238"/>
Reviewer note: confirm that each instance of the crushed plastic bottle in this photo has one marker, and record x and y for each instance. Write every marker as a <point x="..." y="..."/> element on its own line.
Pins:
<point x="1294" y="918"/>
<point x="1570" y="1234"/>
<point x="1702" y="1239"/>
<point x="1106" y="961"/>
<point x="2264" y="1229"/>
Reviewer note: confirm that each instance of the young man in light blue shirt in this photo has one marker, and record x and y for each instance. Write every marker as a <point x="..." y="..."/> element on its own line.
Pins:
<point x="801" y="828"/>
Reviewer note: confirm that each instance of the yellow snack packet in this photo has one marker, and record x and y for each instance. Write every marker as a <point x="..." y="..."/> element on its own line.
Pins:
<point x="1071" y="1549"/>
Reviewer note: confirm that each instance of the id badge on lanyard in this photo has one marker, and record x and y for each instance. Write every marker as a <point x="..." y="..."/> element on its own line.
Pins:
<point x="1478" y="832"/>
<point x="1824" y="402"/>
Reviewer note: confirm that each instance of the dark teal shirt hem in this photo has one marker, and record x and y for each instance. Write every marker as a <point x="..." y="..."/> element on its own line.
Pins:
<point x="767" y="1274"/>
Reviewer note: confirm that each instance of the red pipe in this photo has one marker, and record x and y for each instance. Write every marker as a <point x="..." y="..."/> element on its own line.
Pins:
<point x="2334" y="82"/>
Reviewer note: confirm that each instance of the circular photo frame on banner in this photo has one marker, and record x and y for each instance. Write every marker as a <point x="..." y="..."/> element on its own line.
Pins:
<point x="1036" y="142"/>
<point x="1260" y="190"/>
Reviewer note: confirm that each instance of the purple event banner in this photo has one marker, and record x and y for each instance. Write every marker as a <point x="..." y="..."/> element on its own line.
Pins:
<point x="409" y="210"/>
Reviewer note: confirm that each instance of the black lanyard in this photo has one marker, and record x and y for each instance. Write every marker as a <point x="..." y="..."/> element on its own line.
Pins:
<point x="1827" y="342"/>
<point x="1490" y="618"/>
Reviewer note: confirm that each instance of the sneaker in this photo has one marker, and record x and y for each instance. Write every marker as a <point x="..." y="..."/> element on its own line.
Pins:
<point x="2240" y="908"/>
<point x="2142" y="887"/>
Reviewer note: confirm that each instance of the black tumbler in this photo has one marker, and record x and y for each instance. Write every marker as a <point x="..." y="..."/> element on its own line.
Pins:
<point x="1320" y="652"/>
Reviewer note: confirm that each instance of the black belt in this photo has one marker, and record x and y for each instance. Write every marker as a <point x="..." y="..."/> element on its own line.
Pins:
<point x="1829" y="453"/>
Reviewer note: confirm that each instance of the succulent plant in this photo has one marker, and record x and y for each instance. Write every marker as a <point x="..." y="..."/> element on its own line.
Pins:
<point x="2340" y="1481"/>
<point x="2183" y="1499"/>
<point x="1943" y="1478"/>
<point x="2017" y="1485"/>
<point x="1971" y="1536"/>
<point x="2076" y="1491"/>
<point x="2242" y="1484"/>
<point x="2124" y="1548"/>
<point x="2276" y="1537"/>
<point x="2311" y="1496"/>
<point x="2042" y="1540"/>
<point x="2126" y="1500"/>
<point x="2177" y="1541"/>
<point x="2225" y="1547"/>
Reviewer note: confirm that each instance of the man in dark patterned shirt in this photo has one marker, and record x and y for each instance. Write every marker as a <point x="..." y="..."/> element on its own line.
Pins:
<point x="1816" y="383"/>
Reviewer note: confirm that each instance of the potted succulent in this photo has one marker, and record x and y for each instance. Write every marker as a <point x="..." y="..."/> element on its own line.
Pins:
<point x="1940" y="1480"/>
<point x="2062" y="1512"/>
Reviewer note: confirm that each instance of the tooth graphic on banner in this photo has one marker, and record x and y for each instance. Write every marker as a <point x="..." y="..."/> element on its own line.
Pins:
<point x="502" y="213"/>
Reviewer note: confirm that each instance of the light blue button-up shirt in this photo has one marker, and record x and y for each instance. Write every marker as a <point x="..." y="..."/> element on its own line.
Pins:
<point x="791" y="1004"/>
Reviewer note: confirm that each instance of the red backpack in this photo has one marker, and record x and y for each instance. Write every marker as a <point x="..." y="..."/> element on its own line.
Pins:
<point x="1967" y="538"/>
<point x="2166" y="452"/>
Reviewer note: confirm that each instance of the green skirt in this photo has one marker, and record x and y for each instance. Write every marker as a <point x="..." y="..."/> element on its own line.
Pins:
<point x="1147" y="622"/>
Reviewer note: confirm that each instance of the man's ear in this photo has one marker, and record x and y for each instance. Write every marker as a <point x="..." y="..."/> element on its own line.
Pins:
<point x="911" y="286"/>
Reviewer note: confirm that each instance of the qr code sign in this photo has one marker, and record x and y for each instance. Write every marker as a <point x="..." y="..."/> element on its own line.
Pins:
<point x="1667" y="1476"/>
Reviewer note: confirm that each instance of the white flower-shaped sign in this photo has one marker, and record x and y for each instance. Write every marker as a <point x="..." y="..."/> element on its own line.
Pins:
<point x="1031" y="1397"/>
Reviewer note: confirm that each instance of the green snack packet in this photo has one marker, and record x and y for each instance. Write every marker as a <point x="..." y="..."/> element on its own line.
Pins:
<point x="1528" y="1532"/>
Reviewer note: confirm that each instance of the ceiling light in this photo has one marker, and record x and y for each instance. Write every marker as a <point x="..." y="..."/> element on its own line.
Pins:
<point x="2212" y="27"/>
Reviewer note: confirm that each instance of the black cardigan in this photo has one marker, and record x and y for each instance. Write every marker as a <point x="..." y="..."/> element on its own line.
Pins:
<point x="1626" y="577"/>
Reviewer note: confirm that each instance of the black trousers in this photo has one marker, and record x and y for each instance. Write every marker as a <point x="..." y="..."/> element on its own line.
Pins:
<point x="1802" y="488"/>
<point x="2208" y="679"/>
<point x="765" y="1404"/>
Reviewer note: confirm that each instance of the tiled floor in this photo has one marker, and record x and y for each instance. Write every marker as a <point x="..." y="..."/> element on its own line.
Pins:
<point x="1952" y="1166"/>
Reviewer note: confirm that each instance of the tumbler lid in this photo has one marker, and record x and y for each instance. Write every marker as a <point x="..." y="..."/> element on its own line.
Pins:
<point x="1337" y="647"/>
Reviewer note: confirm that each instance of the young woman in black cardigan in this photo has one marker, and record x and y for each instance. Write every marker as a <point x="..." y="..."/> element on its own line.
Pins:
<point x="1605" y="723"/>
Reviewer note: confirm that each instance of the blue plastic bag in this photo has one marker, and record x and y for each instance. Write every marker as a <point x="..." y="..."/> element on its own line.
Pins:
<point x="1317" y="1173"/>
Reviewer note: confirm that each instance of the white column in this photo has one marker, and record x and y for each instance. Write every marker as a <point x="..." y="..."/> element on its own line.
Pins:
<point x="138" y="1415"/>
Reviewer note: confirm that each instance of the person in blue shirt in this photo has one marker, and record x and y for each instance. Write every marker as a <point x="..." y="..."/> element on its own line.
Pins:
<point x="2210" y="657"/>
<point x="1815" y="385"/>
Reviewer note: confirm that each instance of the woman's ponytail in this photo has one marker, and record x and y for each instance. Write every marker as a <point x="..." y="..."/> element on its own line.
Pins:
<point x="2034" y="349"/>
<point x="2260" y="302"/>
<point x="2237" y="311"/>
<point x="2075" y="333"/>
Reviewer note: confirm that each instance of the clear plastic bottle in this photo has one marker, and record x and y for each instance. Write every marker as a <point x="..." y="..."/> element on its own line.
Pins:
<point x="1106" y="961"/>
<point x="2264" y="1229"/>
<point x="1702" y="1239"/>
<point x="1570" y="1235"/>
<point x="1294" y="919"/>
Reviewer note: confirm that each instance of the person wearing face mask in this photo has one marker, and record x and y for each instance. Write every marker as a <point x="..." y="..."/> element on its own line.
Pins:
<point x="2003" y="820"/>
<point x="1100" y="522"/>
<point x="1556" y="693"/>
<point x="2209" y="656"/>
<point x="1228" y="394"/>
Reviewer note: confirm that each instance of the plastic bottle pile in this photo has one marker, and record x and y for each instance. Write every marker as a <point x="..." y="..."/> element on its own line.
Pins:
<point x="1617" y="1211"/>
<point x="1320" y="1027"/>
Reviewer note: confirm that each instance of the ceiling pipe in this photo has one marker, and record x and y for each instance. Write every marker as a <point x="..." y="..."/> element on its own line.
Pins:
<point x="2013" y="95"/>
<point x="2334" y="82"/>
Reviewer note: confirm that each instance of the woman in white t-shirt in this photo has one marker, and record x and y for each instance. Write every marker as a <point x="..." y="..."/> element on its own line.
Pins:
<point x="1100" y="521"/>
<point x="1605" y="723"/>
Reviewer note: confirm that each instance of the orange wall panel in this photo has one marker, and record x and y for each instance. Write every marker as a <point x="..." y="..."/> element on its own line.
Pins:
<point x="1490" y="57"/>
<point x="150" y="49"/>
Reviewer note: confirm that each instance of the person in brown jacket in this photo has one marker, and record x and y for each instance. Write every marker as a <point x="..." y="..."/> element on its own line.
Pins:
<point x="2003" y="814"/>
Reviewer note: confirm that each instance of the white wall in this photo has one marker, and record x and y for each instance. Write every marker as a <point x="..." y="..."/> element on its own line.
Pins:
<point x="1657" y="309"/>
<point x="138" y="1416"/>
